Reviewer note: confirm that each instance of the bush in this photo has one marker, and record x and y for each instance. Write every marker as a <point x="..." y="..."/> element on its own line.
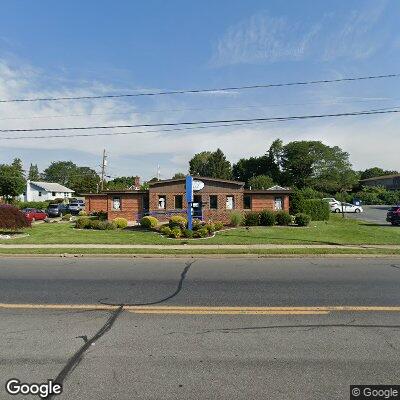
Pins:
<point x="120" y="223"/>
<point x="283" y="218"/>
<point x="82" y="213"/>
<point x="102" y="215"/>
<point x="187" y="233"/>
<point x="175" y="232"/>
<point x="317" y="209"/>
<point x="302" y="219"/>
<point x="12" y="218"/>
<point x="165" y="230"/>
<point x="66" y="217"/>
<point x="177" y="221"/>
<point x="40" y="205"/>
<point x="82" y="223"/>
<point x="267" y="218"/>
<point x="201" y="233"/>
<point x="210" y="228"/>
<point x="252" y="218"/>
<point x="218" y="225"/>
<point x="197" y="224"/>
<point x="149" y="222"/>
<point x="236" y="218"/>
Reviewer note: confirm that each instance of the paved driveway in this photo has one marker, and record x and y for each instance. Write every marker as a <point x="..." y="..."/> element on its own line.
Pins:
<point x="375" y="214"/>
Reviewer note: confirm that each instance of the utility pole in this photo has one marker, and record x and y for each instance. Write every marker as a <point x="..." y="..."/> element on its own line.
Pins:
<point x="158" y="172"/>
<point x="103" y="168"/>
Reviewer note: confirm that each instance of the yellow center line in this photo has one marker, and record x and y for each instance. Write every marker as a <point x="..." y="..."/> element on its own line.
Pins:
<point x="206" y="310"/>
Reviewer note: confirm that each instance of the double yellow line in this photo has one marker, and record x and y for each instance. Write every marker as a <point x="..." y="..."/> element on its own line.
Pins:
<point x="205" y="310"/>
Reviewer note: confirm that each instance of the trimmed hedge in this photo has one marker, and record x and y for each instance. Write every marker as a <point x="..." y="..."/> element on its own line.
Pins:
<point x="40" y="205"/>
<point x="267" y="218"/>
<point x="283" y="218"/>
<point x="177" y="221"/>
<point x="120" y="222"/>
<point x="252" y="218"/>
<point x="302" y="219"/>
<point x="96" y="224"/>
<point x="317" y="209"/>
<point x="149" y="222"/>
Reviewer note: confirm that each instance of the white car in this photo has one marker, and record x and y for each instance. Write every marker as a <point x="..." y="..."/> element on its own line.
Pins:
<point x="330" y="200"/>
<point x="347" y="207"/>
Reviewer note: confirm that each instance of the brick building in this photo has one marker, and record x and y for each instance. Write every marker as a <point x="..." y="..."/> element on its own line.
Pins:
<point x="215" y="199"/>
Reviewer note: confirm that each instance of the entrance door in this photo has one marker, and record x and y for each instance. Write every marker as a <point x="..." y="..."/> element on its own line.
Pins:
<point x="197" y="206"/>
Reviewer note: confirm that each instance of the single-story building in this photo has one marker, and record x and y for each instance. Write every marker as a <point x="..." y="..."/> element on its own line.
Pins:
<point x="41" y="191"/>
<point x="389" y="182"/>
<point x="213" y="199"/>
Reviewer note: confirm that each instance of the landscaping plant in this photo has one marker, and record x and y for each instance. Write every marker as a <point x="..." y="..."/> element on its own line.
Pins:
<point x="283" y="218"/>
<point x="149" y="222"/>
<point x="12" y="219"/>
<point x="177" y="221"/>
<point x="267" y="218"/>
<point x="252" y="218"/>
<point x="302" y="219"/>
<point x="120" y="223"/>
<point x="236" y="218"/>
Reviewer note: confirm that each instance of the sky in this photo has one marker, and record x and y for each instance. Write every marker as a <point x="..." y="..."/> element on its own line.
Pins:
<point x="99" y="47"/>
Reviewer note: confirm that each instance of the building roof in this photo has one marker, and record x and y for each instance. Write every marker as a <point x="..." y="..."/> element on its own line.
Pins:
<point x="268" y="191"/>
<point x="377" y="178"/>
<point x="205" y="178"/>
<point x="52" y="187"/>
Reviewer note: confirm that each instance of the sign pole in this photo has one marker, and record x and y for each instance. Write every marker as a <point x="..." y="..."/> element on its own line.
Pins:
<point x="189" y="200"/>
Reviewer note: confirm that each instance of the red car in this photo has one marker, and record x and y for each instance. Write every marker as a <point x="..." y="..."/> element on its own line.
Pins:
<point x="32" y="214"/>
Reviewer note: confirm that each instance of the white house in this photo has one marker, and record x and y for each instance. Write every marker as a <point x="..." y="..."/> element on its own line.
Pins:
<point x="41" y="191"/>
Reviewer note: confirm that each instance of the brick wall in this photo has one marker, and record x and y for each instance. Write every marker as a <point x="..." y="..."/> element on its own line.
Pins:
<point x="131" y="206"/>
<point x="266" y="201"/>
<point x="95" y="203"/>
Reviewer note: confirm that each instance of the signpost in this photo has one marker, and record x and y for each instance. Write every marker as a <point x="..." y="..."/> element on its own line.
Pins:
<point x="189" y="199"/>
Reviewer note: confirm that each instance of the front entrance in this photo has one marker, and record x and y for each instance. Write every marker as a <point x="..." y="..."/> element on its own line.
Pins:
<point x="197" y="207"/>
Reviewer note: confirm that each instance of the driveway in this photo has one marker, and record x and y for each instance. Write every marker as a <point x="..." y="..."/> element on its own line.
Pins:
<point x="376" y="214"/>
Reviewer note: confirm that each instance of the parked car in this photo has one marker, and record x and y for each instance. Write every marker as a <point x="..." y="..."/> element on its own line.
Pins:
<point x="345" y="207"/>
<point x="32" y="214"/>
<point x="393" y="215"/>
<point x="330" y="200"/>
<point x="56" y="210"/>
<point x="75" y="207"/>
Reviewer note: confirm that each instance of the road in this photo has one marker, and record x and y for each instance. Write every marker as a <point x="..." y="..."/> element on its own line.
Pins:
<point x="200" y="329"/>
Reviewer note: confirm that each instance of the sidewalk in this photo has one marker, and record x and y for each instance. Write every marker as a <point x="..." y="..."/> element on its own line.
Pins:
<point x="198" y="246"/>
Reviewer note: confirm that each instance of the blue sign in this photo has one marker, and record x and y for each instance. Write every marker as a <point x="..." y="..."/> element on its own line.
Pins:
<point x="189" y="199"/>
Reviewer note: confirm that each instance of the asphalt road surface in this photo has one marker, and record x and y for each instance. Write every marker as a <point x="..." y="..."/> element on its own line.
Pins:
<point x="376" y="214"/>
<point x="200" y="329"/>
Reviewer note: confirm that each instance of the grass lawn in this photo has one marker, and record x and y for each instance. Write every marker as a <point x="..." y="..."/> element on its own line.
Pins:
<point x="335" y="231"/>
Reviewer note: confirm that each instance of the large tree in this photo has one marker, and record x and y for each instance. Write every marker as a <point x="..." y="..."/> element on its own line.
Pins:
<point x="79" y="179"/>
<point x="211" y="164"/>
<point x="121" y="183"/>
<point x="12" y="181"/>
<point x="33" y="174"/>
<point x="260" y="182"/>
<point x="179" y="175"/>
<point x="375" y="171"/>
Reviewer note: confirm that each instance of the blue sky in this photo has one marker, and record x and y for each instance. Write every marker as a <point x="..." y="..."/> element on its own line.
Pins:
<point x="52" y="48"/>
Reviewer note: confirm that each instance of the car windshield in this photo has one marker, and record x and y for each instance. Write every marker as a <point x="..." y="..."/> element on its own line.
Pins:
<point x="394" y="209"/>
<point x="74" y="205"/>
<point x="53" y="206"/>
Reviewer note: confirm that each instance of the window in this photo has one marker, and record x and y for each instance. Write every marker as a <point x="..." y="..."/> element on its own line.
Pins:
<point x="53" y="194"/>
<point x="278" y="203"/>
<point x="213" y="202"/>
<point x="116" y="203"/>
<point x="179" y="201"/>
<point x="230" y="204"/>
<point x="162" y="202"/>
<point x="247" y="202"/>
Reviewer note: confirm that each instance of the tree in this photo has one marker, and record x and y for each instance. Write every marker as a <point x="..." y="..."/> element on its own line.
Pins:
<point x="179" y="175"/>
<point x="12" y="181"/>
<point x="121" y="183"/>
<point x="375" y="171"/>
<point x="260" y="182"/>
<point x="33" y="174"/>
<point x="59" y="172"/>
<point x="198" y="165"/>
<point x="219" y="166"/>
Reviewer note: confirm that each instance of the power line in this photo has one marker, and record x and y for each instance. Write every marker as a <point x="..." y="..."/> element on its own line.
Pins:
<point x="207" y="90"/>
<point x="209" y="124"/>
<point x="244" y="107"/>
<point x="221" y="121"/>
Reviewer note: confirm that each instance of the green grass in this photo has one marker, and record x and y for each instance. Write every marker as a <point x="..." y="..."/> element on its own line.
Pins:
<point x="336" y="231"/>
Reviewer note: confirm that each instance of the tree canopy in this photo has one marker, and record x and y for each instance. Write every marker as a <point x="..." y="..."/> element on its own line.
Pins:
<point x="375" y="171"/>
<point x="12" y="180"/>
<point x="211" y="164"/>
<point x="260" y="182"/>
<point x="33" y="174"/>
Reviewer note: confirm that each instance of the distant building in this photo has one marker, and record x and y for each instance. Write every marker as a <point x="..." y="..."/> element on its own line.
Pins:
<point x="41" y="191"/>
<point x="390" y="182"/>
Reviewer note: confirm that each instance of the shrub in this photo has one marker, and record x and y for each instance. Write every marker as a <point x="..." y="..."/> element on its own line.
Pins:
<point x="317" y="209"/>
<point x="252" y="218"/>
<point x="302" y="219"/>
<point x="102" y="215"/>
<point x="218" y="225"/>
<point x="236" y="218"/>
<point x="149" y="222"/>
<point x="210" y="228"/>
<point x="201" y="233"/>
<point x="165" y="230"/>
<point x="82" y="223"/>
<point x="12" y="218"/>
<point x="187" y="233"/>
<point x="40" y="205"/>
<point x="120" y="223"/>
<point x="283" y="218"/>
<point x="175" y="232"/>
<point x="197" y="224"/>
<point x="82" y="213"/>
<point x="177" y="221"/>
<point x="66" y="217"/>
<point x="267" y="218"/>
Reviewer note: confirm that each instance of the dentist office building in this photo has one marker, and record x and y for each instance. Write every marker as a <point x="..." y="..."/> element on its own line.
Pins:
<point x="213" y="199"/>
